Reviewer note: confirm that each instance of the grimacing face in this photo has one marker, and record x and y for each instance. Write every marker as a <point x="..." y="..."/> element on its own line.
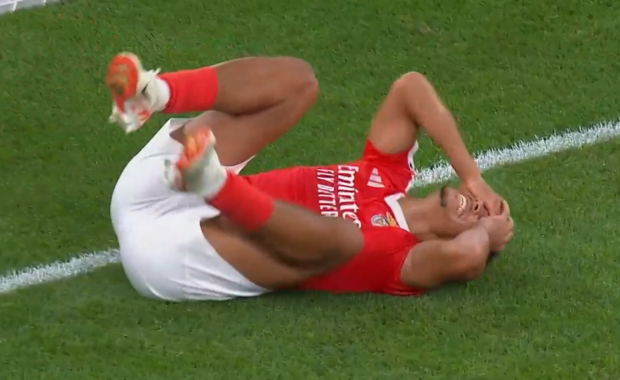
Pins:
<point x="461" y="205"/>
<point x="457" y="211"/>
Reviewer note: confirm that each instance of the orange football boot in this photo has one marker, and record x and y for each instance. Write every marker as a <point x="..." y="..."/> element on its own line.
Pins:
<point x="134" y="90"/>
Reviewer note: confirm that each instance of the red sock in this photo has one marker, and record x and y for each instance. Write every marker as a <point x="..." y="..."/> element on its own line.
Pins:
<point x="244" y="204"/>
<point x="191" y="90"/>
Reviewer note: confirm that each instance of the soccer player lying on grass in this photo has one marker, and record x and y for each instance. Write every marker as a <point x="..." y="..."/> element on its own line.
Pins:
<point x="196" y="230"/>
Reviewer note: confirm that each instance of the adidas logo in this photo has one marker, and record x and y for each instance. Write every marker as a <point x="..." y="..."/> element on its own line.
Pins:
<point x="375" y="179"/>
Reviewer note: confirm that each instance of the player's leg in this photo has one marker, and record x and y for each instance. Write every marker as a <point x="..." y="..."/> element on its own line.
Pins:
<point x="296" y="236"/>
<point x="258" y="99"/>
<point x="262" y="266"/>
<point x="252" y="100"/>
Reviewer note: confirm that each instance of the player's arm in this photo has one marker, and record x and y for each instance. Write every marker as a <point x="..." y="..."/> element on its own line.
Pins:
<point x="437" y="262"/>
<point x="413" y="104"/>
<point x="464" y="258"/>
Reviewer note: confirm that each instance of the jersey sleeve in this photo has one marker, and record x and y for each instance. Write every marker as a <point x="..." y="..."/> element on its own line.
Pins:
<point x="395" y="171"/>
<point x="391" y="246"/>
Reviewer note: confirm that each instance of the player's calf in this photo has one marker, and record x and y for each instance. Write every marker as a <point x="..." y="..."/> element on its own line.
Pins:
<point x="240" y="86"/>
<point x="237" y="87"/>
<point x="306" y="240"/>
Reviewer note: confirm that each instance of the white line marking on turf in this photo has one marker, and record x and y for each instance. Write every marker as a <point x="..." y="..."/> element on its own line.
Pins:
<point x="57" y="271"/>
<point x="522" y="151"/>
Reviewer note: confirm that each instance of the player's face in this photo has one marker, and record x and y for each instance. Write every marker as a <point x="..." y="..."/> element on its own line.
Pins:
<point x="461" y="206"/>
<point x="459" y="211"/>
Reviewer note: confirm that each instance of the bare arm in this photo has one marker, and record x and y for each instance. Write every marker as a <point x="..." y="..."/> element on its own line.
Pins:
<point x="434" y="263"/>
<point x="411" y="104"/>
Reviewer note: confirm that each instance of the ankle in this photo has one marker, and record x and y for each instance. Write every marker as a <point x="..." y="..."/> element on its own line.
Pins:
<point x="243" y="204"/>
<point x="161" y="95"/>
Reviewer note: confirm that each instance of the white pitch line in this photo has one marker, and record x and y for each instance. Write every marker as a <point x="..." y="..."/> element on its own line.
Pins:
<point x="58" y="270"/>
<point x="522" y="151"/>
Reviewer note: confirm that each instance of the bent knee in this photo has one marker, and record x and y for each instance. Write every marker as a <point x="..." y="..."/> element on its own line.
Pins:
<point x="412" y="79"/>
<point x="301" y="69"/>
<point x="301" y="79"/>
<point x="470" y="267"/>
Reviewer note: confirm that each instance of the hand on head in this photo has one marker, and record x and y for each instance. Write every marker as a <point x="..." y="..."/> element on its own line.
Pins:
<point x="481" y="190"/>
<point x="497" y="221"/>
<point x="499" y="227"/>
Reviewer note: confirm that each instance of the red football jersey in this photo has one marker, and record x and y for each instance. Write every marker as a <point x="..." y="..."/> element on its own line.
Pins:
<point x="365" y="192"/>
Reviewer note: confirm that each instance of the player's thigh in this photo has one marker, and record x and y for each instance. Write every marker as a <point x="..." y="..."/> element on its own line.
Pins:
<point x="278" y="93"/>
<point x="254" y="262"/>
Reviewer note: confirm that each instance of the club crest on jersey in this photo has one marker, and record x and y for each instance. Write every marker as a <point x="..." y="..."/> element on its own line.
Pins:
<point x="383" y="220"/>
<point x="379" y="221"/>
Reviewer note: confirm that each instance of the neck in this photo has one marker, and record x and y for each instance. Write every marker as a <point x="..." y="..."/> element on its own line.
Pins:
<point x="418" y="214"/>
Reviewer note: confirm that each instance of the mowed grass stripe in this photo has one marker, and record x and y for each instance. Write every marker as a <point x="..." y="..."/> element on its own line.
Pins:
<point x="522" y="151"/>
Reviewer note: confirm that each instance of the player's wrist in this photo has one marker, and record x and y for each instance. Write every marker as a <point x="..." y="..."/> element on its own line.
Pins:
<point x="474" y="177"/>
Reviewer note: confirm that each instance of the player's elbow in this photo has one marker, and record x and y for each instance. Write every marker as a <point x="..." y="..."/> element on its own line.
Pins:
<point x="471" y="265"/>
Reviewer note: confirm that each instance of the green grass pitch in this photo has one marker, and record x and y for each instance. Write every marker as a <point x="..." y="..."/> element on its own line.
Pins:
<point x="509" y="69"/>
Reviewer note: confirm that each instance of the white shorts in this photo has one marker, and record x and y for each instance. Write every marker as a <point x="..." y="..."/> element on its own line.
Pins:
<point x="163" y="250"/>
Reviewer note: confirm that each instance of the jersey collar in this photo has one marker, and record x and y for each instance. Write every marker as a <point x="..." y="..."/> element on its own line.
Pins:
<point x="392" y="202"/>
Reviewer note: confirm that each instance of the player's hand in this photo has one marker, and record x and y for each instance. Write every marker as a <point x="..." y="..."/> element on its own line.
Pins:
<point x="481" y="190"/>
<point x="500" y="228"/>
